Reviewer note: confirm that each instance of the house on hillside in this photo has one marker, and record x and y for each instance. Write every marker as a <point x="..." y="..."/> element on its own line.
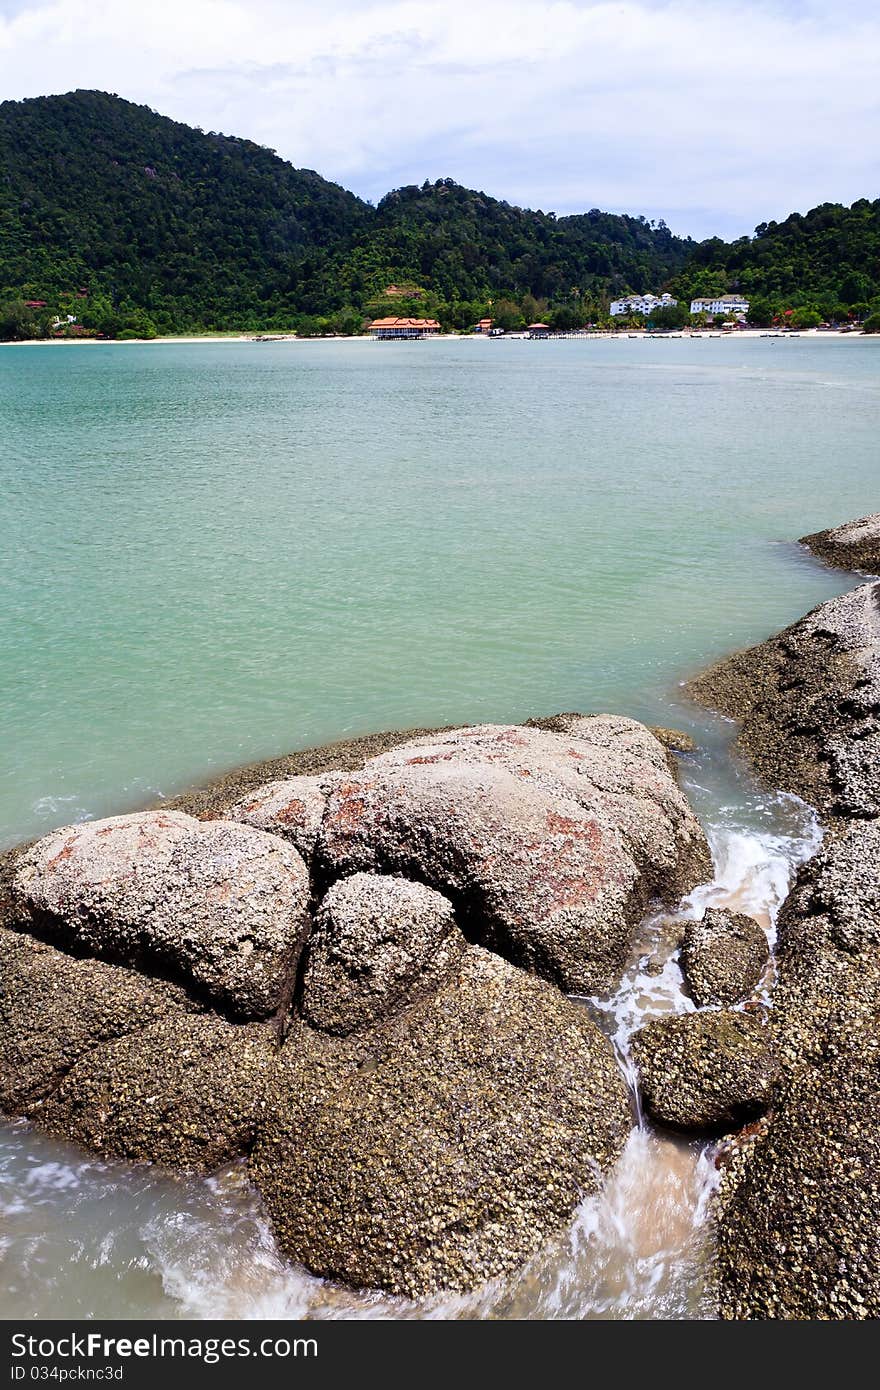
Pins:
<point x="721" y="304"/>
<point x="641" y="304"/>
<point x="35" y="303"/>
<point x="404" y="328"/>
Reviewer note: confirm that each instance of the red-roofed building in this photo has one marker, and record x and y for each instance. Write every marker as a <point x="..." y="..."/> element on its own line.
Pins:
<point x="404" y="328"/>
<point x="35" y="303"/>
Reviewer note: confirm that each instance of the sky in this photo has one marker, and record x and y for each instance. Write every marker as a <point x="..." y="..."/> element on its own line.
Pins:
<point x="712" y="114"/>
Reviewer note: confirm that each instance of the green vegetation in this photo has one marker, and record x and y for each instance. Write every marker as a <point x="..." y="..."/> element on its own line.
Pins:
<point x="137" y="224"/>
<point x="134" y="225"/>
<point x="164" y="227"/>
<point x="673" y="316"/>
<point x="824" y="266"/>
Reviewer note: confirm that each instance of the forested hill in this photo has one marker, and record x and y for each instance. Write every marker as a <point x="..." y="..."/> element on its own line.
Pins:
<point x="96" y="192"/>
<point x="136" y="224"/>
<point x="461" y="244"/>
<point x="154" y="219"/>
<point x="827" y="259"/>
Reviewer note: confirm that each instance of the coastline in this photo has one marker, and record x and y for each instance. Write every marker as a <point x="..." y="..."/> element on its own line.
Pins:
<point x="630" y="335"/>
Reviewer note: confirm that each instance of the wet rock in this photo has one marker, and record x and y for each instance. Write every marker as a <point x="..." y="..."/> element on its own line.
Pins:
<point x="723" y="957"/>
<point x="379" y="944"/>
<point x="292" y="808"/>
<point x="711" y="1071"/>
<point x="219" y="906"/>
<point x="853" y="546"/>
<point x="54" y="1009"/>
<point x="186" y="1091"/>
<point x="674" y="739"/>
<point x="828" y="948"/>
<point x="809" y="702"/>
<point x="797" y="1222"/>
<point x="443" y="1149"/>
<point x="796" y="1217"/>
<point x="549" y="843"/>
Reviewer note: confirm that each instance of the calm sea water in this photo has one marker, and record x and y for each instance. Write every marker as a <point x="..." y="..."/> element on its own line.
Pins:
<point x="213" y="553"/>
<point x="217" y="552"/>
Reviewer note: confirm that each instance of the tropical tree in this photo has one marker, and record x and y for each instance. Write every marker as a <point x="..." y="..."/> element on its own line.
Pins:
<point x="806" y="318"/>
<point x="17" y="321"/>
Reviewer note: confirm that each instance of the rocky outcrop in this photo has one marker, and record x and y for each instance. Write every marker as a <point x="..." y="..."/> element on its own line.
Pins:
<point x="809" y="704"/>
<point x="853" y="546"/>
<point x="443" y="1149"/>
<point x="797" y="1229"/>
<point x="549" y="844"/>
<point x="723" y="957"/>
<point x="796" y="1218"/>
<point x="419" y="1112"/>
<point x="797" y="1221"/>
<point x="220" y="907"/>
<point x="379" y="943"/>
<point x="828" y="948"/>
<point x="708" y="1071"/>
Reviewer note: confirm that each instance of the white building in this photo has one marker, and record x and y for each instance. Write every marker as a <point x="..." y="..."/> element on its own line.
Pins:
<point x="642" y="304"/>
<point x="721" y="304"/>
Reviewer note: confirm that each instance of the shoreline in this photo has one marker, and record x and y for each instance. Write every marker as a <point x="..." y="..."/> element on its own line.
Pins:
<point x="635" y="334"/>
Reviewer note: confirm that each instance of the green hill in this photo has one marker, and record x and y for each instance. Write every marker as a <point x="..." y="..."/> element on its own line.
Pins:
<point x="827" y="261"/>
<point x="138" y="224"/>
<point x="464" y="246"/>
<point x="195" y="230"/>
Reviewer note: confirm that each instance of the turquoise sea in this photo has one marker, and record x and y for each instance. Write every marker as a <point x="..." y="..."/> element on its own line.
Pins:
<point x="217" y="552"/>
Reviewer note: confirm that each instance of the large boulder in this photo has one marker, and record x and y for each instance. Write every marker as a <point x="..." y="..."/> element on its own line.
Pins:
<point x="549" y="843"/>
<point x="708" y="1071"/>
<point x="379" y="943"/>
<point x="809" y="704"/>
<point x="221" y="907"/>
<point x="723" y="956"/>
<point x="186" y="1091"/>
<point x="442" y="1149"/>
<point x="853" y="546"/>
<point x="54" y="1009"/>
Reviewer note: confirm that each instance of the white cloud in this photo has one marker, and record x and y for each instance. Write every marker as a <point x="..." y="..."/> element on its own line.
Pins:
<point x="714" y="115"/>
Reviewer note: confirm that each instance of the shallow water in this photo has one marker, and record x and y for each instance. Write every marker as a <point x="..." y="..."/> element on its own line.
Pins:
<point x="218" y="552"/>
<point x="215" y="553"/>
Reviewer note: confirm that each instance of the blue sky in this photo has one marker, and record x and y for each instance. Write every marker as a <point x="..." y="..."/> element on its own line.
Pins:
<point x="713" y="114"/>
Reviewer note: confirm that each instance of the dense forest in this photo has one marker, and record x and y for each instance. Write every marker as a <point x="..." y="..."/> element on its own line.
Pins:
<point x="824" y="264"/>
<point x="130" y="224"/>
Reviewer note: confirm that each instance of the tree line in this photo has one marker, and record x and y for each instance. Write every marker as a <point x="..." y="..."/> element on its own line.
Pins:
<point x="133" y="225"/>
